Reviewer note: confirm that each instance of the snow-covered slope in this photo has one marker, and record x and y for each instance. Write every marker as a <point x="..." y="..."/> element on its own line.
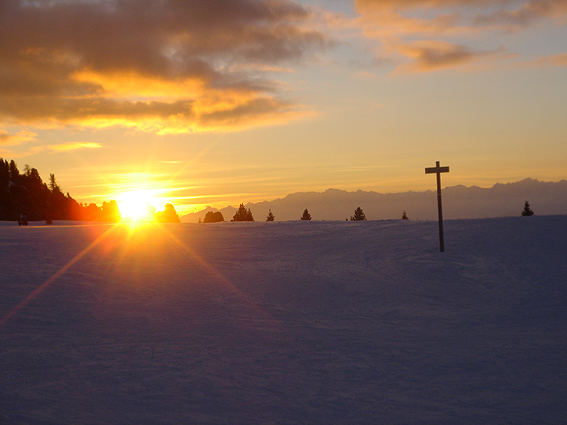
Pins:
<point x="285" y="323"/>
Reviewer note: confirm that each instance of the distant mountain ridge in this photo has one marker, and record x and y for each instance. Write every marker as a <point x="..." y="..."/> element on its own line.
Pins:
<point x="502" y="199"/>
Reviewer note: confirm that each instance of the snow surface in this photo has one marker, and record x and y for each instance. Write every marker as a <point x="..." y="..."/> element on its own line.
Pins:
<point x="285" y="323"/>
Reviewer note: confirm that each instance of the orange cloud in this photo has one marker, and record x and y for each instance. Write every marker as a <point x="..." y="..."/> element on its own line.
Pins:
<point x="165" y="66"/>
<point x="22" y="136"/>
<point x="71" y="146"/>
<point x="524" y="14"/>
<point x="436" y="55"/>
<point x="554" y="60"/>
<point x="458" y="15"/>
<point x="404" y="28"/>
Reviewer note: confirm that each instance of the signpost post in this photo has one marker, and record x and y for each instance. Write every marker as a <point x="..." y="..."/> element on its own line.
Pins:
<point x="438" y="170"/>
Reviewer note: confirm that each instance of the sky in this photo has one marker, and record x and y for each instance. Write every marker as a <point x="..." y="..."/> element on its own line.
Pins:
<point x="218" y="102"/>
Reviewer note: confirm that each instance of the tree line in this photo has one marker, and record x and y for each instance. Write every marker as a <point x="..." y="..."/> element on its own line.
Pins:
<point x="244" y="214"/>
<point x="25" y="196"/>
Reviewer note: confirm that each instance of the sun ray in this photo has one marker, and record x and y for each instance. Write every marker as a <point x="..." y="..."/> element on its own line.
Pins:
<point x="56" y="275"/>
<point x="218" y="275"/>
<point x="126" y="246"/>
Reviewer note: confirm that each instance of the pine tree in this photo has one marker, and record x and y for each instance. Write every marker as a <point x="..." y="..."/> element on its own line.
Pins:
<point x="358" y="215"/>
<point x="270" y="216"/>
<point x="306" y="216"/>
<point x="405" y="216"/>
<point x="53" y="186"/>
<point x="14" y="172"/>
<point x="527" y="212"/>
<point x="243" y="214"/>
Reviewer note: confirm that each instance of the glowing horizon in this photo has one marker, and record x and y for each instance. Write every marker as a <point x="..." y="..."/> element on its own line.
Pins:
<point x="282" y="97"/>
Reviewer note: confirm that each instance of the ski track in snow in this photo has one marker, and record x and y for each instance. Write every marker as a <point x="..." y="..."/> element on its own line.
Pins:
<point x="286" y="323"/>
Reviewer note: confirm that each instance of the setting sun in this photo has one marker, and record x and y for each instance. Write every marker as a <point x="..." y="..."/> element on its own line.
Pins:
<point x="139" y="205"/>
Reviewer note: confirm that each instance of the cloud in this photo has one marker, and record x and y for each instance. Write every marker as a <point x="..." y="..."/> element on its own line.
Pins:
<point x="441" y="16"/>
<point x="553" y="60"/>
<point x="23" y="136"/>
<point x="157" y="65"/>
<point x="33" y="150"/>
<point x="524" y="14"/>
<point x="405" y="28"/>
<point x="436" y="55"/>
<point x="71" y="146"/>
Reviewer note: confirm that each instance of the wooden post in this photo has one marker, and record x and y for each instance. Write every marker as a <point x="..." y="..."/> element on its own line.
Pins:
<point x="438" y="170"/>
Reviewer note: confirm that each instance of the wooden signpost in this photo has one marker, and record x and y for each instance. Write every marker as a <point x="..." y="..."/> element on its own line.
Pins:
<point x="438" y="170"/>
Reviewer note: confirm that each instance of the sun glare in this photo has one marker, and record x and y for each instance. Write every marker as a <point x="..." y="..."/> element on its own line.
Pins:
<point x="137" y="206"/>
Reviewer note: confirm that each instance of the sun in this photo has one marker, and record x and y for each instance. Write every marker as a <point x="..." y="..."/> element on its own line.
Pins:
<point x="138" y="205"/>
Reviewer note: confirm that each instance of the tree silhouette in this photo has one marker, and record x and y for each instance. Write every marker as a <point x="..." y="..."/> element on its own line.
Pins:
<point x="243" y="214"/>
<point x="213" y="217"/>
<point x="110" y="211"/>
<point x="306" y="216"/>
<point x="270" y="216"/>
<point x="404" y="216"/>
<point x="527" y="212"/>
<point x="358" y="215"/>
<point x="25" y="194"/>
<point x="53" y="184"/>
<point x="14" y="172"/>
<point x="168" y="215"/>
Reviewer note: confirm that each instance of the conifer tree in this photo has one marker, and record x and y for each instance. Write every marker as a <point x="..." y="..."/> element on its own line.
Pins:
<point x="14" y="172"/>
<point x="306" y="216"/>
<point x="405" y="216"/>
<point x="358" y="215"/>
<point x="243" y="214"/>
<point x="270" y="216"/>
<point x="527" y="212"/>
<point x="53" y="184"/>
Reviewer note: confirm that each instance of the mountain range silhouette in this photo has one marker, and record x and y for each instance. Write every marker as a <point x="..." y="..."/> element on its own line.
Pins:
<point x="500" y="200"/>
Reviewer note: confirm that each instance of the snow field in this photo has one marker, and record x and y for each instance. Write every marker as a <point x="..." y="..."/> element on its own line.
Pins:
<point x="286" y="323"/>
